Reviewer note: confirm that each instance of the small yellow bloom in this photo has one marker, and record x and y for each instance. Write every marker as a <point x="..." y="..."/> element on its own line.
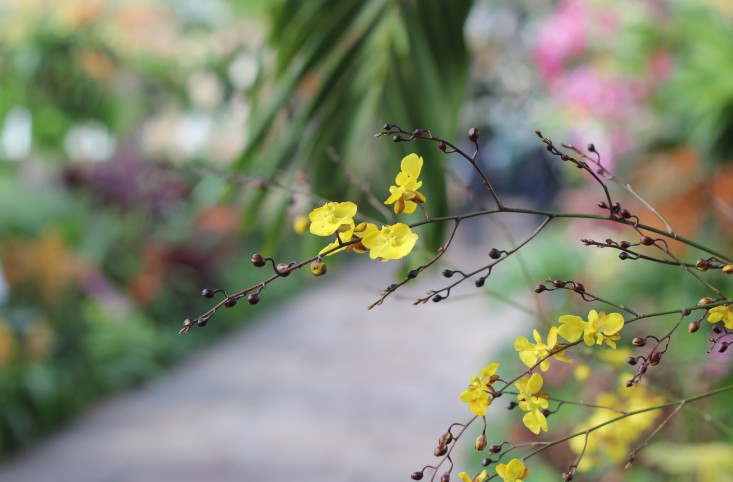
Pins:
<point x="478" y="478"/>
<point x="582" y="372"/>
<point x="532" y="400"/>
<point x="356" y="234"/>
<point x="721" y="313"/>
<point x="300" y="224"/>
<point x="405" y="194"/>
<point x="391" y="242"/>
<point x="514" y="471"/>
<point x="479" y="393"/>
<point x="599" y="328"/>
<point x="331" y="218"/>
<point x="531" y="353"/>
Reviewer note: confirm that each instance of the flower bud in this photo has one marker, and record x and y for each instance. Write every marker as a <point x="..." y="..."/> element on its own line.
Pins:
<point x="655" y="358"/>
<point x="624" y="245"/>
<point x="480" y="282"/>
<point x="437" y="299"/>
<point x="511" y="405"/>
<point x="702" y="264"/>
<point x="440" y="450"/>
<point x="253" y="298"/>
<point x="230" y="302"/>
<point x="207" y="293"/>
<point x="442" y="146"/>
<point x="486" y="462"/>
<point x="567" y="476"/>
<point x="591" y="148"/>
<point x="704" y="301"/>
<point x="318" y="268"/>
<point x="693" y="326"/>
<point x="473" y="134"/>
<point x="623" y="255"/>
<point x="646" y="240"/>
<point x="540" y="288"/>
<point x="412" y="274"/>
<point x="283" y="269"/>
<point x="415" y="475"/>
<point x="723" y="347"/>
<point x="717" y="329"/>
<point x="201" y="322"/>
<point x="558" y="284"/>
<point x="447" y="273"/>
<point x="480" y="442"/>
<point x="397" y="138"/>
<point x="495" y="449"/>
<point x="445" y="477"/>
<point x="638" y="341"/>
<point x="388" y="127"/>
<point x="494" y="253"/>
<point x="260" y="183"/>
<point x="258" y="260"/>
<point x="632" y="361"/>
<point x="187" y="322"/>
<point x="629" y="383"/>
<point x="727" y="269"/>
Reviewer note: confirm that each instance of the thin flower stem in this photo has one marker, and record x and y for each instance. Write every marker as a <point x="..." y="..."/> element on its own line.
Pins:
<point x="632" y="456"/>
<point x="630" y="414"/>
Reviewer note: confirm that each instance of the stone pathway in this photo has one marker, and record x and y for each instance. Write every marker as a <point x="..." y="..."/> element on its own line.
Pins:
<point x="318" y="390"/>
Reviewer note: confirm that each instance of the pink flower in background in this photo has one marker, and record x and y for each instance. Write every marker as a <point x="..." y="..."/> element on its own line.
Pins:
<point x="560" y="37"/>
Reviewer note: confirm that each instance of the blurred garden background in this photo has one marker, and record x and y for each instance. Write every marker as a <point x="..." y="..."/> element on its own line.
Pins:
<point x="148" y="148"/>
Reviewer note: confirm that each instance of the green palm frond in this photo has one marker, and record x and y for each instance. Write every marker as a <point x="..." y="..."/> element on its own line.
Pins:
<point x="342" y="69"/>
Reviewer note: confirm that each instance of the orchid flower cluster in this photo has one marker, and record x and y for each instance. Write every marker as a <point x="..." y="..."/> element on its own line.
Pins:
<point x="631" y="405"/>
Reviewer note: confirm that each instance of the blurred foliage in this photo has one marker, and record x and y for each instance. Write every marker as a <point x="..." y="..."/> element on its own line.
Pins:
<point x="105" y="240"/>
<point x="340" y="72"/>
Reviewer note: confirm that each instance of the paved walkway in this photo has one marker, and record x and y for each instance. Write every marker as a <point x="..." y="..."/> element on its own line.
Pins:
<point x="319" y="390"/>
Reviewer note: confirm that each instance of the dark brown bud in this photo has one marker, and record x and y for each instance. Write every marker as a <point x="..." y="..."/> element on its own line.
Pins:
<point x="480" y="442"/>
<point x="473" y="134"/>
<point x="283" y="269"/>
<point x="624" y="244"/>
<point x="638" y="341"/>
<point x="511" y="405"/>
<point x="580" y="287"/>
<point x="655" y="358"/>
<point x="625" y="214"/>
<point x="494" y="253"/>
<point x="632" y="360"/>
<point x="391" y="287"/>
<point x="187" y="322"/>
<point x="207" y="293"/>
<point x="486" y="462"/>
<point x="717" y="329"/>
<point x="445" y="477"/>
<point x="388" y="127"/>
<point x="693" y="326"/>
<point x="623" y="255"/>
<point x="629" y="383"/>
<point x="546" y="412"/>
<point x="445" y="439"/>
<point x="704" y="301"/>
<point x="230" y="302"/>
<point x="702" y="264"/>
<point x="567" y="476"/>
<point x="415" y="475"/>
<point x="591" y="148"/>
<point x="447" y="273"/>
<point x="397" y="138"/>
<point x="412" y="274"/>
<point x="440" y="450"/>
<point x="437" y="299"/>
<point x="495" y="449"/>
<point x="558" y="284"/>
<point x="253" y="298"/>
<point x="686" y="312"/>
<point x="602" y="205"/>
<point x="723" y="347"/>
<point x="442" y="146"/>
<point x="201" y="322"/>
<point x="646" y="241"/>
<point x="540" y="288"/>
<point x="480" y="282"/>
<point x="258" y="260"/>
